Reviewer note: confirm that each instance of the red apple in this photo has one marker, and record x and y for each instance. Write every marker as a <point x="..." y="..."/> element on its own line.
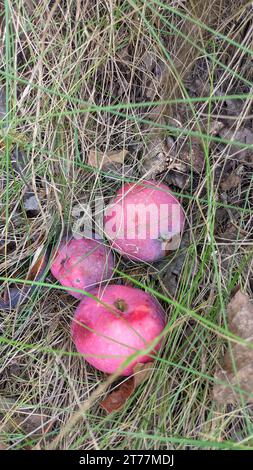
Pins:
<point x="82" y="263"/>
<point x="144" y="221"/>
<point x="107" y="333"/>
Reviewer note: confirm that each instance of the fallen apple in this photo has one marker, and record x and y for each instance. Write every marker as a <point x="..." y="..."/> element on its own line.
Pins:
<point x="124" y="320"/>
<point x="82" y="263"/>
<point x="144" y="221"/>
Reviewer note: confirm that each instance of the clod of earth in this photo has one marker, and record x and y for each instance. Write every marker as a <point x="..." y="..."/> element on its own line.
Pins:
<point x="144" y="221"/>
<point x="121" y="322"/>
<point x="82" y="263"/>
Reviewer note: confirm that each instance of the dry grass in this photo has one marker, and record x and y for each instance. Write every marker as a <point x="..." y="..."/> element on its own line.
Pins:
<point x="79" y="76"/>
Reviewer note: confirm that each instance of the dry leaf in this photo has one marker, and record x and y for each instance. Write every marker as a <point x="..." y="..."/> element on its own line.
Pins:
<point x="244" y="135"/>
<point x="178" y="179"/>
<point x="99" y="159"/>
<point x="237" y="368"/>
<point x="193" y="154"/>
<point x="160" y="156"/>
<point x="234" y="107"/>
<point x="173" y="270"/>
<point x="215" y="127"/>
<point x="149" y="60"/>
<point x="233" y="232"/>
<point x="155" y="160"/>
<point x="15" y="294"/>
<point x="142" y="373"/>
<point x="117" y="399"/>
<point x="232" y="181"/>
<point x="154" y="76"/>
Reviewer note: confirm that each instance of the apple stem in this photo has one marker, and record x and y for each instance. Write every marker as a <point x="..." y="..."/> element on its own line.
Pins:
<point x="120" y="304"/>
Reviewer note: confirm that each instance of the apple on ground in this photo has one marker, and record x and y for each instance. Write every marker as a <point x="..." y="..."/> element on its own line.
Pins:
<point x="144" y="222"/>
<point x="122" y="321"/>
<point x="83" y="264"/>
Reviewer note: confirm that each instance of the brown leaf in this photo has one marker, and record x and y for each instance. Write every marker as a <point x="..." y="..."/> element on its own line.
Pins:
<point x="234" y="107"/>
<point x="193" y="154"/>
<point x="172" y="244"/>
<point x="232" y="181"/>
<point x="237" y="367"/>
<point x="215" y="127"/>
<point x="98" y="159"/>
<point x="155" y="159"/>
<point x="38" y="266"/>
<point x="17" y="293"/>
<point x="244" y="135"/>
<point x="232" y="232"/>
<point x="142" y="373"/>
<point x="178" y="179"/>
<point x="118" y="398"/>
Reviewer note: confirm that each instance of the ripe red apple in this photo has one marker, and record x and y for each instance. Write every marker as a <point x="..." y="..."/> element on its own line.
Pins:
<point x="126" y="321"/>
<point x="82" y="263"/>
<point x="144" y="221"/>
